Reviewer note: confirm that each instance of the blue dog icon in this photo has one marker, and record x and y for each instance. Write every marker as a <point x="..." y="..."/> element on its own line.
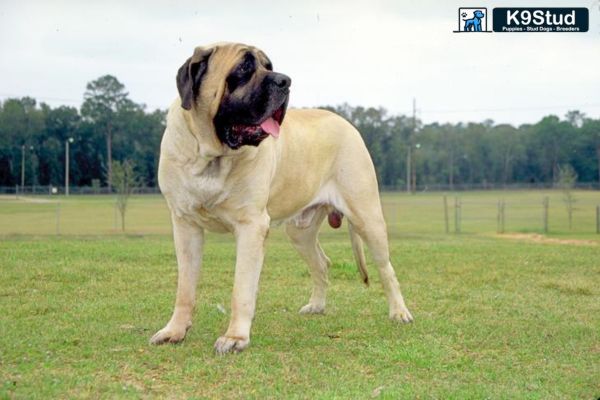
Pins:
<point x="474" y="24"/>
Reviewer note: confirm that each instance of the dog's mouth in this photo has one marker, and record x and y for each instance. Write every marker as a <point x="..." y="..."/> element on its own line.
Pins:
<point x="270" y="126"/>
<point x="236" y="135"/>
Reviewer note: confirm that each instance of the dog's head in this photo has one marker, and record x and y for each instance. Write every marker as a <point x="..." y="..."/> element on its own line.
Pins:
<point x="478" y="14"/>
<point x="235" y="87"/>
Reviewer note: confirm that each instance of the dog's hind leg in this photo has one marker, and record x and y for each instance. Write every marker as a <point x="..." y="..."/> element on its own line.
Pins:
<point x="367" y="220"/>
<point x="359" y="254"/>
<point x="358" y="199"/>
<point x="304" y="239"/>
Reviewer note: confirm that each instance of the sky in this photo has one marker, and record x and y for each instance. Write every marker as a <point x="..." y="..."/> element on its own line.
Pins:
<point x="368" y="53"/>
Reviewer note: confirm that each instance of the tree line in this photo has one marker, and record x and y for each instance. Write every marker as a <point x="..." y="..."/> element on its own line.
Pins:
<point x="110" y="126"/>
<point x="477" y="154"/>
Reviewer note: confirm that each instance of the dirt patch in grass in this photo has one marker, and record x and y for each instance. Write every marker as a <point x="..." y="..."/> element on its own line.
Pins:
<point x="25" y="199"/>
<point x="537" y="238"/>
<point x="570" y="288"/>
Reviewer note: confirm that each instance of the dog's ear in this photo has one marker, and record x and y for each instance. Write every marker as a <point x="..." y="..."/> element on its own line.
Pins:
<point x="190" y="75"/>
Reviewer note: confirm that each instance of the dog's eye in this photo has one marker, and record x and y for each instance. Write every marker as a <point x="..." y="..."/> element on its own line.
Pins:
<point x="241" y="76"/>
<point x="245" y="68"/>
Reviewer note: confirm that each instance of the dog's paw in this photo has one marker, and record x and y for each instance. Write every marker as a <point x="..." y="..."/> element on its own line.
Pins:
<point x="401" y="315"/>
<point x="231" y="344"/>
<point x="312" y="309"/>
<point x="169" y="334"/>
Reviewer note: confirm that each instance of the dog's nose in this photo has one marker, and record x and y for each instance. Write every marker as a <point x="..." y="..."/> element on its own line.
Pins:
<point x="281" y="80"/>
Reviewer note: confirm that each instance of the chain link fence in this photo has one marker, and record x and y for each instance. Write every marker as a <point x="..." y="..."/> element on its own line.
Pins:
<point x="50" y="190"/>
<point x="529" y="211"/>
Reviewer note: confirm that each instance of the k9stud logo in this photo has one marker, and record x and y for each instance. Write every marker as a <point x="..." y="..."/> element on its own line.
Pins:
<point x="524" y="19"/>
<point x="472" y="19"/>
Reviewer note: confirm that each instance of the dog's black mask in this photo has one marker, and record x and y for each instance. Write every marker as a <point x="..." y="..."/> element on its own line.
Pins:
<point x="253" y="104"/>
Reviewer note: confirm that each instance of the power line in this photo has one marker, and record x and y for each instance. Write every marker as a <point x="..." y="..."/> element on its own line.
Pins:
<point x="71" y="101"/>
<point x="47" y="98"/>
<point x="421" y="110"/>
<point x="511" y="109"/>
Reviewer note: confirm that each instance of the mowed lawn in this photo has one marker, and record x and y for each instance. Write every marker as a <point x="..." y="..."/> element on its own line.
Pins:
<point x="495" y="317"/>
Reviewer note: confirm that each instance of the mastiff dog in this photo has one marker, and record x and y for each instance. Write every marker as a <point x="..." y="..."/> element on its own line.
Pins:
<point x="234" y="159"/>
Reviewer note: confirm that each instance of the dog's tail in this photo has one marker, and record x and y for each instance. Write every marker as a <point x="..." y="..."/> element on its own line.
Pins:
<point x="359" y="254"/>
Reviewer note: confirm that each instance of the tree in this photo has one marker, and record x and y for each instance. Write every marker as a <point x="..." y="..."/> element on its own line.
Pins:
<point x="395" y="144"/>
<point x="475" y="157"/>
<point x="21" y="123"/>
<point x="575" y="118"/>
<point x="103" y="99"/>
<point x="139" y="141"/>
<point x="125" y="179"/>
<point x="591" y="134"/>
<point x="451" y="143"/>
<point x="62" y="123"/>
<point x="506" y="150"/>
<point x="548" y="147"/>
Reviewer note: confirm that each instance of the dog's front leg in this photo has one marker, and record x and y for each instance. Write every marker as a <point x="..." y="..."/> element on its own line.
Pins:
<point x="250" y="239"/>
<point x="188" y="240"/>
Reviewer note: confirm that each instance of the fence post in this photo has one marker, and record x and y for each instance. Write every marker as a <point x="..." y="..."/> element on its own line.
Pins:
<point x="503" y="214"/>
<point x="457" y="216"/>
<point x="116" y="217"/>
<point x="500" y="217"/>
<point x="546" y="206"/>
<point x="58" y="217"/>
<point x="446" y="213"/>
<point x="597" y="219"/>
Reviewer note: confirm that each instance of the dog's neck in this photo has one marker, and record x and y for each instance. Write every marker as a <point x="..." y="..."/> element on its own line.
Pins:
<point x="208" y="145"/>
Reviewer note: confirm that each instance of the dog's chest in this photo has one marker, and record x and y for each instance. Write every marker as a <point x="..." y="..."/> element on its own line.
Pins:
<point x="206" y="192"/>
<point x="200" y="192"/>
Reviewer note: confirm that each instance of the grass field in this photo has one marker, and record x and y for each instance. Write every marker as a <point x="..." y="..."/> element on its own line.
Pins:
<point x="494" y="317"/>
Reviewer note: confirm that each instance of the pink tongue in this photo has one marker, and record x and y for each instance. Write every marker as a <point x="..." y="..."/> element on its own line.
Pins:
<point x="271" y="127"/>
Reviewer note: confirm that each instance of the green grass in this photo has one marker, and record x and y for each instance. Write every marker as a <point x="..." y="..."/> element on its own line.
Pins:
<point x="494" y="318"/>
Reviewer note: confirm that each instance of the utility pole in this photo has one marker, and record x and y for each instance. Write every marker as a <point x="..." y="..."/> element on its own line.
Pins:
<point x="412" y="144"/>
<point x="22" y="166"/>
<point x="408" y="165"/>
<point x="67" y="142"/>
<point x="410" y="174"/>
